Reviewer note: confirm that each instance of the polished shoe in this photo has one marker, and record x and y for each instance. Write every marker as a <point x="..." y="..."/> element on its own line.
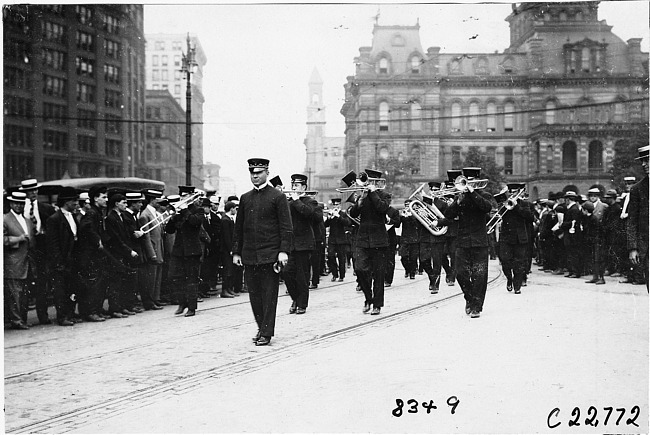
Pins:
<point x="334" y="279"/>
<point x="199" y="299"/>
<point x="137" y="310"/>
<point x="263" y="341"/>
<point x="66" y="323"/>
<point x="592" y="281"/>
<point x="420" y="272"/>
<point x="412" y="277"/>
<point x="19" y="325"/>
<point x="227" y="294"/>
<point x="434" y="291"/>
<point x="517" y="291"/>
<point x="450" y="282"/>
<point x="95" y="318"/>
<point x="190" y="313"/>
<point x="340" y="279"/>
<point x="292" y="309"/>
<point x="313" y="286"/>
<point x="375" y="311"/>
<point x="600" y="281"/>
<point x="44" y="321"/>
<point x="154" y="307"/>
<point x="117" y="315"/>
<point x="474" y="314"/>
<point x="127" y="312"/>
<point x="524" y="283"/>
<point x="406" y="275"/>
<point x="257" y="336"/>
<point x="509" y="286"/>
<point x="467" y="308"/>
<point x="387" y="284"/>
<point x="180" y="310"/>
<point x="358" y="288"/>
<point x="366" y="307"/>
<point x="301" y="310"/>
<point x="76" y="320"/>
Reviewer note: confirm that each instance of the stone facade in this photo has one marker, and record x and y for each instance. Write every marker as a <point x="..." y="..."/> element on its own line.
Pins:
<point x="549" y="109"/>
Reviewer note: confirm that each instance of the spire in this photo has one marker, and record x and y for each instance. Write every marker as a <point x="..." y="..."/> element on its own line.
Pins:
<point x="315" y="77"/>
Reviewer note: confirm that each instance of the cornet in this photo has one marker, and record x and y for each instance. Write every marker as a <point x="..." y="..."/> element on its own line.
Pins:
<point x="363" y="182"/>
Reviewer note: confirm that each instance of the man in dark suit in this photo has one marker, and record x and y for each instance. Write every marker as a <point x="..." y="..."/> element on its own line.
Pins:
<point x="318" y="227"/>
<point x="141" y="244"/>
<point x="304" y="210"/>
<point x="615" y="238"/>
<point x="337" y="244"/>
<point x="572" y="234"/>
<point x="62" y="255"/>
<point x="637" y="223"/>
<point x="409" y="242"/>
<point x="392" y="222"/>
<point x="18" y="242"/>
<point x="232" y="274"/>
<point x="211" y="260"/>
<point x="38" y="212"/>
<point x="262" y="241"/>
<point x="472" y="210"/>
<point x="371" y="243"/>
<point x="432" y="245"/>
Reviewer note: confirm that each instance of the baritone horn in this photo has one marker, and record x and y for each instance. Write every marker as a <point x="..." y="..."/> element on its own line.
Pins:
<point x="426" y="214"/>
<point x="164" y="217"/>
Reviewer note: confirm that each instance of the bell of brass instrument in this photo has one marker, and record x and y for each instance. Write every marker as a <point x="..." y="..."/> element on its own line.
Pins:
<point x="461" y="183"/>
<point x="363" y="182"/>
<point x="426" y="214"/>
<point x="164" y="217"/>
<point x="508" y="205"/>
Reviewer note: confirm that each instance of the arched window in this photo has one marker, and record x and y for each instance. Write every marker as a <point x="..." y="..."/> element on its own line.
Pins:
<point x="383" y="116"/>
<point x="563" y="16"/>
<point x="416" y="117"/>
<point x="455" y="117"/>
<point x="595" y="156"/>
<point x="586" y="59"/>
<point x="509" y="117"/>
<point x="383" y="153"/>
<point x="569" y="156"/>
<point x="550" y="112"/>
<point x="491" y="117"/>
<point x="415" y="156"/>
<point x="383" y="66"/>
<point x="415" y="64"/>
<point x="315" y="99"/>
<point x="619" y="112"/>
<point x="473" y="117"/>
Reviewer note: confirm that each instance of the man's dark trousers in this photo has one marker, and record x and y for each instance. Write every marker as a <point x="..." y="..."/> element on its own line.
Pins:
<point x="471" y="273"/>
<point x="370" y="266"/>
<point x="263" y="283"/>
<point x="296" y="277"/>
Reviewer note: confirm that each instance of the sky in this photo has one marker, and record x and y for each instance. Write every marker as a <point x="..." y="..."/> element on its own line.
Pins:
<point x="260" y="58"/>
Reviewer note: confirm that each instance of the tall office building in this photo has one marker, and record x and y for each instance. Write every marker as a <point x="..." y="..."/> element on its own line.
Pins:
<point x="552" y="109"/>
<point x="73" y="91"/>
<point x="164" y="53"/>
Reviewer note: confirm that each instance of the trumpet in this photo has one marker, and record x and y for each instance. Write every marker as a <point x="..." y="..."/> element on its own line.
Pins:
<point x="301" y="193"/>
<point x="164" y="217"/>
<point x="363" y="182"/>
<point x="508" y="205"/>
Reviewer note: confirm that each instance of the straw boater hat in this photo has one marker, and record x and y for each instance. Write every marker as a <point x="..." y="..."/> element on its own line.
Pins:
<point x="134" y="196"/>
<point x="571" y="194"/>
<point x="594" y="191"/>
<point x="29" y="184"/>
<point x="643" y="152"/>
<point x="17" y="197"/>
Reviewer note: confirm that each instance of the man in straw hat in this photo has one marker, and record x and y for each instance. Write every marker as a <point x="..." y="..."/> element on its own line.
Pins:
<point x="637" y="223"/>
<point x="262" y="242"/>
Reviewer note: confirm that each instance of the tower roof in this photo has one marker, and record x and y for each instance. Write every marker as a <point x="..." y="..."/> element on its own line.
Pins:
<point x="315" y="77"/>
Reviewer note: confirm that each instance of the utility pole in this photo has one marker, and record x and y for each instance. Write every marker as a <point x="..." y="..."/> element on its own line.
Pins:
<point x="189" y="63"/>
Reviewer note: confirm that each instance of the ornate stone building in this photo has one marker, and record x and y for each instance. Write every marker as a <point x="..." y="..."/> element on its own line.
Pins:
<point x="324" y="163"/>
<point x="551" y="109"/>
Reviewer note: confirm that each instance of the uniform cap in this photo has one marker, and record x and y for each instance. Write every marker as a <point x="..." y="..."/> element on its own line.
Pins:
<point x="643" y="152"/>
<point x="299" y="178"/>
<point x="373" y="173"/>
<point x="435" y="185"/>
<point x="452" y="174"/>
<point x="335" y="201"/>
<point x="258" y="164"/>
<point x="516" y="186"/>
<point x="471" y="172"/>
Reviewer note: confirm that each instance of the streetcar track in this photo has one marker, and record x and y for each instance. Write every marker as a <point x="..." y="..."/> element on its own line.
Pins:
<point x="143" y="396"/>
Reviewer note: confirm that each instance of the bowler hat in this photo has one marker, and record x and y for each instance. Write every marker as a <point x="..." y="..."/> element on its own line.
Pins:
<point x="611" y="193"/>
<point x="571" y="194"/>
<point x="67" y="193"/>
<point x="205" y="202"/>
<point x="258" y="164"/>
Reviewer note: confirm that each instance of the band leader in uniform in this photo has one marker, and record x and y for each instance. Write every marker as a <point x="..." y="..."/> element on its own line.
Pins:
<point x="263" y="238"/>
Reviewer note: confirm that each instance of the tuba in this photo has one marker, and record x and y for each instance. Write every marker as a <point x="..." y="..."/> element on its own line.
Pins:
<point x="426" y="214"/>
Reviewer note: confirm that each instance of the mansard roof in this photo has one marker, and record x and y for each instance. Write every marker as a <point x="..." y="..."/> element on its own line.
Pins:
<point x="399" y="43"/>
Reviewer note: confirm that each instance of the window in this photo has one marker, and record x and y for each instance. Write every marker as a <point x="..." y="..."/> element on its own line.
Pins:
<point x="87" y="144"/>
<point x="17" y="166"/>
<point x="155" y="74"/>
<point x="177" y="75"/>
<point x="54" y="113"/>
<point x="111" y="73"/>
<point x="177" y="45"/>
<point x="113" y="124"/>
<point x="416" y="117"/>
<point x="491" y="117"/>
<point x="112" y="99"/>
<point x="383" y="66"/>
<point x="177" y="89"/>
<point x="155" y="86"/>
<point x="154" y="60"/>
<point x="177" y="61"/>
<point x="597" y="60"/>
<point x="454" y="67"/>
<point x="85" y="93"/>
<point x="550" y="113"/>
<point x="54" y="168"/>
<point x="85" y="41"/>
<point x="455" y="117"/>
<point x="54" y="32"/>
<point x="54" y="86"/>
<point x="473" y="117"/>
<point x="509" y="117"/>
<point x="619" y="112"/>
<point x="549" y="159"/>
<point x="89" y="169"/>
<point x="18" y="51"/>
<point x="111" y="24"/>
<point x="383" y="116"/>
<point x="415" y="64"/>
<point x="16" y="78"/>
<point x="84" y="15"/>
<point x="55" y="140"/>
<point x="164" y="60"/>
<point x="165" y="75"/>
<point x="16" y="136"/>
<point x="160" y="45"/>
<point x="456" y="157"/>
<point x="113" y="148"/>
<point x="595" y="156"/>
<point x="508" y="66"/>
<point x="572" y="62"/>
<point x="17" y="106"/>
<point x="54" y="59"/>
<point x="415" y="156"/>
<point x="84" y="67"/>
<point x="111" y="48"/>
<point x="586" y="60"/>
<point x="508" y="160"/>
<point x="86" y="119"/>
<point x="569" y="157"/>
<point x="536" y="157"/>
<point x="158" y="153"/>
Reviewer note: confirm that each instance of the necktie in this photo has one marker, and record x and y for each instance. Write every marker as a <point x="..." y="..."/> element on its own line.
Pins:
<point x="31" y="213"/>
<point x="207" y="217"/>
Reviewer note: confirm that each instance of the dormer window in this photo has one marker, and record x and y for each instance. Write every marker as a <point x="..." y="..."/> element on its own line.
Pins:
<point x="383" y="66"/>
<point x="415" y="64"/>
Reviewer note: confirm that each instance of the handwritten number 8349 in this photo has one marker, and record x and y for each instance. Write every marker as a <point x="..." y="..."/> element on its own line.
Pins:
<point x="412" y="406"/>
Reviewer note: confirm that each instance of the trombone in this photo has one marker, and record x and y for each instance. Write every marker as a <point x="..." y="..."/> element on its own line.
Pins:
<point x="508" y="205"/>
<point x="362" y="183"/>
<point x="460" y="185"/>
<point x="163" y="218"/>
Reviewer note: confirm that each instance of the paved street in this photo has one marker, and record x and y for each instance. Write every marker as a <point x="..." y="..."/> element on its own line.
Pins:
<point x="561" y="344"/>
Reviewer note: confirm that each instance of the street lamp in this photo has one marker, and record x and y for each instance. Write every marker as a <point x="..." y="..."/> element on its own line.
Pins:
<point x="188" y="67"/>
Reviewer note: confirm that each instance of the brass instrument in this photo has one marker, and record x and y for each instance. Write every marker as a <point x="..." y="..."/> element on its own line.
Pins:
<point x="460" y="185"/>
<point x="363" y="182"/>
<point x="301" y="193"/>
<point x="426" y="214"/>
<point x="164" y="217"/>
<point x="508" y="205"/>
<point x="355" y="221"/>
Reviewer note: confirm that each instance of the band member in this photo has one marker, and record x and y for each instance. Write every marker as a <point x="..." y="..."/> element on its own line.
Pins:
<point x="18" y="242"/>
<point x="304" y="209"/>
<point x="637" y="224"/>
<point x="38" y="212"/>
<point x="151" y="271"/>
<point x="62" y="255"/>
<point x="167" y="291"/>
<point x="318" y="227"/>
<point x="338" y="244"/>
<point x="371" y="243"/>
<point x="263" y="238"/>
<point x="232" y="274"/>
<point x="432" y="246"/>
<point x="186" y="252"/>
<point x="409" y="243"/>
<point x="514" y="237"/>
<point x="392" y="222"/>
<point x="449" y="250"/>
<point x="472" y="210"/>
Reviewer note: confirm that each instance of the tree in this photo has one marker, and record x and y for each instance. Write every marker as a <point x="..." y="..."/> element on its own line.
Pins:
<point x="623" y="164"/>
<point x="398" y="174"/>
<point x="489" y="170"/>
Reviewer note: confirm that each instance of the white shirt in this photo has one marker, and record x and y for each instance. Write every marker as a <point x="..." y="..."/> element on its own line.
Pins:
<point x="262" y="186"/>
<point x="21" y="220"/>
<point x="28" y="207"/>
<point x="73" y="225"/>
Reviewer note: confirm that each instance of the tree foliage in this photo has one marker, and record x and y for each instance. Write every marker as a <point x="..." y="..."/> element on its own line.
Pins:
<point x="398" y="173"/>
<point x="489" y="170"/>
<point x="624" y="163"/>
